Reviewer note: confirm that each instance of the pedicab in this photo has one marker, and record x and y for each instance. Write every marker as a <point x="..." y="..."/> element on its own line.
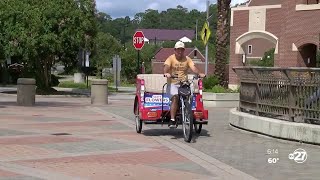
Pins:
<point x="152" y="103"/>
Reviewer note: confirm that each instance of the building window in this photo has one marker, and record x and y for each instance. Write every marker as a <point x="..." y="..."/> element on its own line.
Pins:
<point x="308" y="5"/>
<point x="311" y="1"/>
<point x="249" y="49"/>
<point x="195" y="53"/>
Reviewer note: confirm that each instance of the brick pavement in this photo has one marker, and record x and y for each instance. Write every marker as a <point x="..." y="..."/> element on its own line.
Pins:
<point x="91" y="145"/>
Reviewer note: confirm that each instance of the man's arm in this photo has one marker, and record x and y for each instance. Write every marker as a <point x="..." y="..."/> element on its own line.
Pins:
<point x="194" y="68"/>
<point x="166" y="68"/>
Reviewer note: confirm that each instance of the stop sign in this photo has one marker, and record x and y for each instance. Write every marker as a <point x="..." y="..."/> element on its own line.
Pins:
<point x="138" y="40"/>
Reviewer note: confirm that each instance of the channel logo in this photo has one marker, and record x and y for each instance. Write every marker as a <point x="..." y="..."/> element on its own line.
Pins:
<point x="299" y="155"/>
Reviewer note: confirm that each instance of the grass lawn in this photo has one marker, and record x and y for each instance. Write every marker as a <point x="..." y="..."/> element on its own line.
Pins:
<point x="71" y="84"/>
<point x="123" y="84"/>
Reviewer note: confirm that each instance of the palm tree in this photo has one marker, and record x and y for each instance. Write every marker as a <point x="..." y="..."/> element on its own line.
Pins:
<point x="222" y="41"/>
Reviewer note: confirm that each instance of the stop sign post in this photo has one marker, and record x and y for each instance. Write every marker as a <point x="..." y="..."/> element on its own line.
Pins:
<point x="138" y="43"/>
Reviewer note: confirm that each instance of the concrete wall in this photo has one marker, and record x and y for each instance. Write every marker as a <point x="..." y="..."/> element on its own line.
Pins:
<point x="307" y="133"/>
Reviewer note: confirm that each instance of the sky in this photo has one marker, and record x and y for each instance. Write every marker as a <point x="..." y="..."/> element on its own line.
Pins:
<point x="122" y="8"/>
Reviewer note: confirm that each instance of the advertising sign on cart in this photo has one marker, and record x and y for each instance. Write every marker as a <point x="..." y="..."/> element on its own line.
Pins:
<point x="154" y="101"/>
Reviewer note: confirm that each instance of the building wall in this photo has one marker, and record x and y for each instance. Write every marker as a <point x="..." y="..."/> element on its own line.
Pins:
<point x="264" y="2"/>
<point x="240" y="25"/>
<point x="157" y="42"/>
<point x="308" y="1"/>
<point x="274" y="21"/>
<point x="293" y="24"/>
<point x="300" y="28"/>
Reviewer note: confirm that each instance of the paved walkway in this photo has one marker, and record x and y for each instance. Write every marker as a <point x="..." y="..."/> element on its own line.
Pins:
<point x="247" y="152"/>
<point x="67" y="138"/>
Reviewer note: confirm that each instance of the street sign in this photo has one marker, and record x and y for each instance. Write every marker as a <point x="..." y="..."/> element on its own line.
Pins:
<point x="138" y="40"/>
<point x="205" y="33"/>
<point x="116" y="70"/>
<point x="87" y="64"/>
<point x="116" y="63"/>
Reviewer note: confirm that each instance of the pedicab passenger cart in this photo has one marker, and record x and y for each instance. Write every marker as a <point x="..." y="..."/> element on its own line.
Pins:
<point x="152" y="104"/>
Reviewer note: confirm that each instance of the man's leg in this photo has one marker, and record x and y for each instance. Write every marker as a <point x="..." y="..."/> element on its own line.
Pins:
<point x="174" y="105"/>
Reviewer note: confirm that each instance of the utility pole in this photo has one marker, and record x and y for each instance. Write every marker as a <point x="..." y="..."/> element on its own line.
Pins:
<point x="206" y="67"/>
<point x="197" y="30"/>
<point x="124" y="36"/>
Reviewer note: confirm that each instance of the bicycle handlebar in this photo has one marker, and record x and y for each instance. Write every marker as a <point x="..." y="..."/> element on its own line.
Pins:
<point x="174" y="76"/>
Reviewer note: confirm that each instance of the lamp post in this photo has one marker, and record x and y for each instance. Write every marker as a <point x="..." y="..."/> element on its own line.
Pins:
<point x="87" y="65"/>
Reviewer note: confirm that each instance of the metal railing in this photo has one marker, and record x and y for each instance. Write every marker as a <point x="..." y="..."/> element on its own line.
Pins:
<point x="291" y="94"/>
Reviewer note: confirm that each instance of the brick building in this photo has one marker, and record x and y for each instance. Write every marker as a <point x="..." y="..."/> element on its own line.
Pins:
<point x="292" y="27"/>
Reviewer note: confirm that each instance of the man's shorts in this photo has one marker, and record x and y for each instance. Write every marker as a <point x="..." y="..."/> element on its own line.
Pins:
<point x="172" y="89"/>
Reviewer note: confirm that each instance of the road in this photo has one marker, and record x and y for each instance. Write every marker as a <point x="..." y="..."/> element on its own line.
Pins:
<point x="247" y="152"/>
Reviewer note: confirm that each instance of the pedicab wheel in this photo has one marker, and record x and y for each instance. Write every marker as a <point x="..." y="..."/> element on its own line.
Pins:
<point x="187" y="123"/>
<point x="198" y="128"/>
<point x="138" y="121"/>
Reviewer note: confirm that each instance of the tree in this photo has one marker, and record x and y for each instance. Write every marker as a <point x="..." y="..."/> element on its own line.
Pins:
<point x="106" y="46"/>
<point x="222" y="41"/>
<point x="151" y="19"/>
<point x="43" y="32"/>
<point x="138" y="18"/>
<point x="129" y="60"/>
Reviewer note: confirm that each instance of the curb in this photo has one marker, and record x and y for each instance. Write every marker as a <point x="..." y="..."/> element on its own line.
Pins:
<point x="290" y="131"/>
<point x="48" y="96"/>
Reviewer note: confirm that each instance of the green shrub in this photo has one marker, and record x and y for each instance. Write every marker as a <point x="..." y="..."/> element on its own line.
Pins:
<point x="218" y="89"/>
<point x="210" y="82"/>
<point x="267" y="59"/>
<point x="236" y="90"/>
<point x="71" y="84"/>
